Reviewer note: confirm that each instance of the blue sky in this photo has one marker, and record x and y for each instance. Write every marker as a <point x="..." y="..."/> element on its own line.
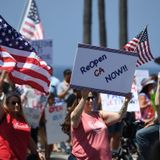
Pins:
<point x="62" y="21"/>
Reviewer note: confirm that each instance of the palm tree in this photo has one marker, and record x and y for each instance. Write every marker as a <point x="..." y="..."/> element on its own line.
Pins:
<point x="87" y="21"/>
<point x="102" y="25"/>
<point x="123" y="37"/>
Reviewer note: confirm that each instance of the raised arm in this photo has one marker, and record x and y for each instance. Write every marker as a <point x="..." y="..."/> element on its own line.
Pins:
<point x="62" y="93"/>
<point x="113" y="117"/>
<point x="76" y="113"/>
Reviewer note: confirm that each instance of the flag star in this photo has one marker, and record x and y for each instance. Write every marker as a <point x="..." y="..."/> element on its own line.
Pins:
<point x="26" y="43"/>
<point x="5" y="25"/>
<point x="9" y="31"/>
<point x="7" y="39"/>
<point x="20" y="47"/>
<point x="3" y="33"/>
<point x="10" y="44"/>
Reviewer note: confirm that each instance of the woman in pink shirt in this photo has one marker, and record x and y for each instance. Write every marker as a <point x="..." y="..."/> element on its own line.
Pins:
<point x="89" y="134"/>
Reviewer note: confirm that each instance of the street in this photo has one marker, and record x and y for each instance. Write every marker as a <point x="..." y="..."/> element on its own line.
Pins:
<point x="59" y="156"/>
<point x="63" y="156"/>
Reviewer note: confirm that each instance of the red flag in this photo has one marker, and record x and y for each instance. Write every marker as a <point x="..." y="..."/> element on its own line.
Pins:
<point x="31" y="26"/>
<point x="30" y="69"/>
<point x="140" y="44"/>
<point x="7" y="62"/>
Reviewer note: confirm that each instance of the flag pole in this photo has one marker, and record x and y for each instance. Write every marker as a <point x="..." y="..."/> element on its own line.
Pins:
<point x="23" y="14"/>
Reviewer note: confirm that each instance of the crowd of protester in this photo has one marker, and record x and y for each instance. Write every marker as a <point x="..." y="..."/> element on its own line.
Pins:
<point x="79" y="124"/>
<point x="99" y="137"/>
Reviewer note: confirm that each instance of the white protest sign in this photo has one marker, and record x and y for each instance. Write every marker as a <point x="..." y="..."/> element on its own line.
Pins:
<point x="139" y="76"/>
<point x="103" y="70"/>
<point x="32" y="116"/>
<point x="44" y="49"/>
<point x="54" y="116"/>
<point x="34" y="103"/>
<point x="34" y="98"/>
<point x="114" y="103"/>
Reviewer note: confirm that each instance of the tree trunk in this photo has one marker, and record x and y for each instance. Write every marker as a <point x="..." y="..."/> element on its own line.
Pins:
<point x="102" y="25"/>
<point x="87" y="21"/>
<point x="123" y="37"/>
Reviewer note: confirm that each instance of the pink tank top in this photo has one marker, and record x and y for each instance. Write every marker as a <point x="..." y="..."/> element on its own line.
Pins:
<point x="90" y="139"/>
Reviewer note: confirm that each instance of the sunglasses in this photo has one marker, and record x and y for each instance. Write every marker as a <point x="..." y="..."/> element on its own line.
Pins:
<point x="15" y="102"/>
<point x="90" y="98"/>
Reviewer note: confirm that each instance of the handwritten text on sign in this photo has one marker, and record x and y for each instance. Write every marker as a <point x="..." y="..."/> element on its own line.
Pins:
<point x="55" y="115"/>
<point x="44" y="49"/>
<point x="103" y="69"/>
<point x="114" y="103"/>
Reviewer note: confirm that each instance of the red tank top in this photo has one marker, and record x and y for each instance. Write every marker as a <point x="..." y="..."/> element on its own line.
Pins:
<point x="14" y="139"/>
<point x="90" y="139"/>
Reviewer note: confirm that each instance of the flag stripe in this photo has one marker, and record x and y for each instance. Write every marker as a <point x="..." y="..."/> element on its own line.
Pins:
<point x="142" y="52"/>
<point x="30" y="63"/>
<point x="28" y="80"/>
<point x="28" y="33"/>
<point x="31" y="26"/>
<point x="32" y="74"/>
<point x="145" y="53"/>
<point x="7" y="62"/>
<point x="29" y="68"/>
<point x="32" y="58"/>
<point x="149" y="55"/>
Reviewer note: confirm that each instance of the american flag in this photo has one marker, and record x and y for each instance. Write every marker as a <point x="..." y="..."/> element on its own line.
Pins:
<point x="29" y="69"/>
<point x="31" y="26"/>
<point x="140" y="44"/>
<point x="7" y="62"/>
